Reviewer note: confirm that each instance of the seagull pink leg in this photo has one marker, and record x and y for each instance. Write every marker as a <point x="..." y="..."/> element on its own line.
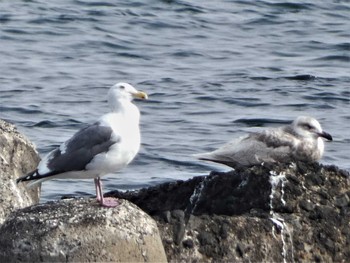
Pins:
<point x="98" y="193"/>
<point x="106" y="202"/>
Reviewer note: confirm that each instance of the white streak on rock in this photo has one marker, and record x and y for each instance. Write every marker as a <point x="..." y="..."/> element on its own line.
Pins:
<point x="197" y="193"/>
<point x="18" y="194"/>
<point x="275" y="181"/>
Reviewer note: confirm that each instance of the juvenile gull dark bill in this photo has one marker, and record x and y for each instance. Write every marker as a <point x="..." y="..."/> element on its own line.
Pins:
<point x="98" y="149"/>
<point x="300" y="140"/>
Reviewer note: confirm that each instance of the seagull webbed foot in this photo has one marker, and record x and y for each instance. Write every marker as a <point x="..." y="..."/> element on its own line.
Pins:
<point x="109" y="202"/>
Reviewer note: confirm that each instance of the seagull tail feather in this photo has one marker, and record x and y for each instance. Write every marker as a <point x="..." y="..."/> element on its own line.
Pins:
<point x="212" y="157"/>
<point x="32" y="176"/>
<point x="27" y="177"/>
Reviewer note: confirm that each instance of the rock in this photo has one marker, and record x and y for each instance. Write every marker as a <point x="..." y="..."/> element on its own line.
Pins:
<point x="279" y="213"/>
<point x="342" y="200"/>
<point x="80" y="231"/>
<point x="272" y="213"/>
<point x="17" y="157"/>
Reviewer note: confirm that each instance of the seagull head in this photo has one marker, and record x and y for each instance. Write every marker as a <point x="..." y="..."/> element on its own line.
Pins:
<point x="123" y="92"/>
<point x="309" y="127"/>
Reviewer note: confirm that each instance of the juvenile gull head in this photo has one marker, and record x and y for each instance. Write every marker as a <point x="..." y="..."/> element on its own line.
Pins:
<point x="309" y="130"/>
<point x="300" y="140"/>
<point x="103" y="147"/>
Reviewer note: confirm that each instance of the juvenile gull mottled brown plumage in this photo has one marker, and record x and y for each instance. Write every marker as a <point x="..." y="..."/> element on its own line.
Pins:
<point x="299" y="141"/>
<point x="96" y="150"/>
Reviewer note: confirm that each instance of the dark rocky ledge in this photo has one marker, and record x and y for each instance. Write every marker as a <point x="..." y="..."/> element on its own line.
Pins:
<point x="298" y="212"/>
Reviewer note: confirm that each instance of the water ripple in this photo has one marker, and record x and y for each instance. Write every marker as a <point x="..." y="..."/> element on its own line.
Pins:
<point x="260" y="122"/>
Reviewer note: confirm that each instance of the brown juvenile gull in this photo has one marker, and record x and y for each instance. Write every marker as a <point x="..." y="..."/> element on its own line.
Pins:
<point x="299" y="141"/>
<point x="104" y="147"/>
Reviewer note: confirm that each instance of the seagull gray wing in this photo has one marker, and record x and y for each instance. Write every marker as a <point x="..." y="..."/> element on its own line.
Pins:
<point x="77" y="152"/>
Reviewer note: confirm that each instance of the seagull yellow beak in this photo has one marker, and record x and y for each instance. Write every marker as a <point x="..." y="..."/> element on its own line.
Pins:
<point x="140" y="95"/>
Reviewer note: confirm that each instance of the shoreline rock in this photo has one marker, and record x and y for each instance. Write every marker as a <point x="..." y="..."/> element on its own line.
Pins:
<point x="296" y="212"/>
<point x="17" y="157"/>
<point x="80" y="230"/>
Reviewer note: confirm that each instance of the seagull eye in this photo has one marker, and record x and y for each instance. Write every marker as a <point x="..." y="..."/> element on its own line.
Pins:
<point x="122" y="87"/>
<point x="308" y="126"/>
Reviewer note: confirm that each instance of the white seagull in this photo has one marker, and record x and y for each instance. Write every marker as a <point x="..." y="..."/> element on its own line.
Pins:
<point x="98" y="149"/>
<point x="299" y="141"/>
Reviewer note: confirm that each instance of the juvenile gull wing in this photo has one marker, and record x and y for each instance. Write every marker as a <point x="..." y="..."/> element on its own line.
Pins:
<point x="269" y="146"/>
<point x="299" y="141"/>
<point x="76" y="153"/>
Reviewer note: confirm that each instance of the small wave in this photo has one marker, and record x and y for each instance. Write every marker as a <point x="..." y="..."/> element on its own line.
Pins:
<point x="185" y="7"/>
<point x="298" y="105"/>
<point x="20" y="109"/>
<point x="301" y="77"/>
<point x="343" y="46"/>
<point x="260" y="78"/>
<point x="204" y="112"/>
<point x="133" y="55"/>
<point x="5" y="18"/>
<point x="164" y="25"/>
<point x="45" y="124"/>
<point x="61" y="19"/>
<point x="288" y="6"/>
<point x="185" y="54"/>
<point x="263" y="21"/>
<point x="150" y="158"/>
<point x="335" y="58"/>
<point x="326" y="97"/>
<point x="16" y="31"/>
<point x="107" y="44"/>
<point x="260" y="122"/>
<point x="51" y="124"/>
<point x="95" y="4"/>
<point x="190" y="9"/>
<point x="345" y="94"/>
<point x="246" y="102"/>
<point x="324" y="106"/>
<point x="205" y="98"/>
<point x="175" y="162"/>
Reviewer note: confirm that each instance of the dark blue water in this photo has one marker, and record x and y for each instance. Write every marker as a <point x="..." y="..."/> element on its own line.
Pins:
<point x="214" y="70"/>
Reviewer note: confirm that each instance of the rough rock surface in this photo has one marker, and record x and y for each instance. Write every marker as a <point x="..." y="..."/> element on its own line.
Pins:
<point x="17" y="157"/>
<point x="281" y="213"/>
<point x="80" y="231"/>
<point x="298" y="212"/>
